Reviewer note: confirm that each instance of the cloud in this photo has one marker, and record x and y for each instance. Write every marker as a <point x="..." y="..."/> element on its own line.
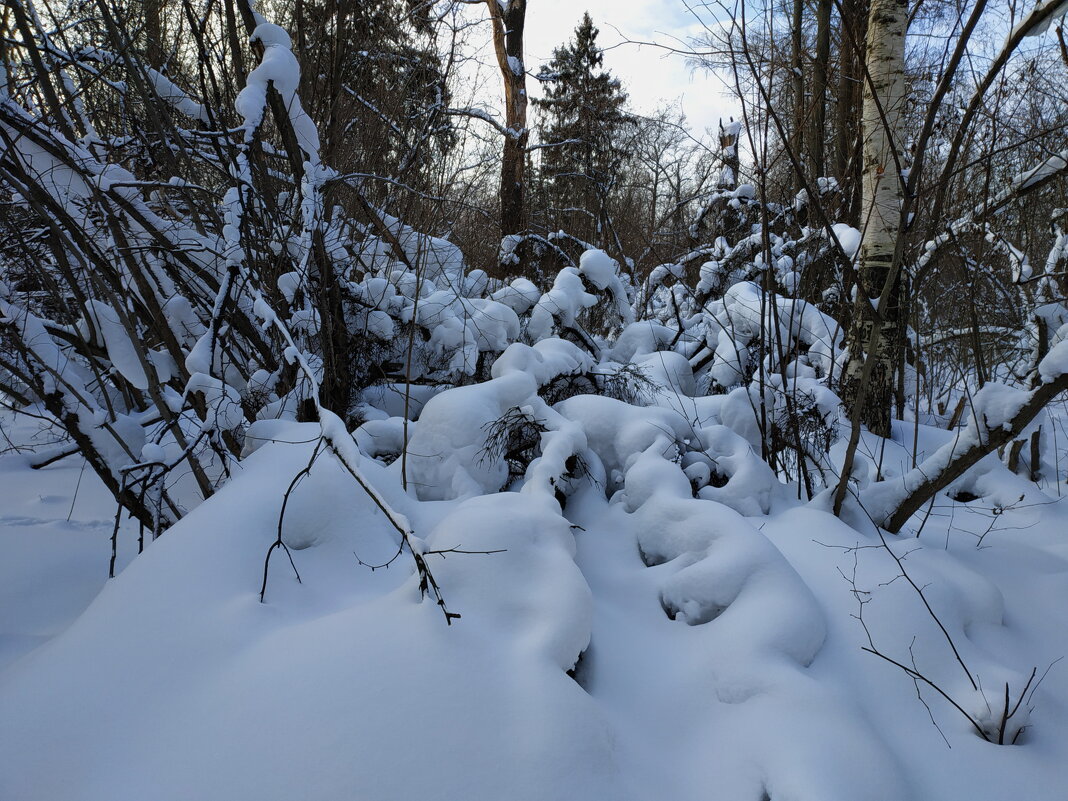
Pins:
<point x="651" y="75"/>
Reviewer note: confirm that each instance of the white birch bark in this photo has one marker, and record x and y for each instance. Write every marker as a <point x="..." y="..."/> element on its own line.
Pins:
<point x="882" y="196"/>
<point x="884" y="98"/>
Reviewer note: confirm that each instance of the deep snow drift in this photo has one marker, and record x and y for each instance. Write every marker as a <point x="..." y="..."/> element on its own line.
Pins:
<point x="648" y="642"/>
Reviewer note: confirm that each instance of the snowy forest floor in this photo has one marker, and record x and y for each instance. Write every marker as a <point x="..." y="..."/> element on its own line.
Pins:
<point x="173" y="681"/>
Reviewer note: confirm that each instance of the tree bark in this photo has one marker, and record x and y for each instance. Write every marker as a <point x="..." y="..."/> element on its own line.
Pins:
<point x="874" y="337"/>
<point x="797" y="83"/>
<point x="153" y="11"/>
<point x="933" y="479"/>
<point x="849" y="98"/>
<point x="508" y="17"/>
<point x="818" y="115"/>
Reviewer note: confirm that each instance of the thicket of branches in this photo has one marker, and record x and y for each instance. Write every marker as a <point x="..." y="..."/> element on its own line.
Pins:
<point x="213" y="214"/>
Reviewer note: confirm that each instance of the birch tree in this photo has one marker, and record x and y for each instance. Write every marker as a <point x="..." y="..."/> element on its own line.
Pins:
<point x="868" y="383"/>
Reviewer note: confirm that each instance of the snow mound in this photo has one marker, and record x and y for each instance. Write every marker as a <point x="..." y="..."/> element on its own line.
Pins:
<point x="343" y="686"/>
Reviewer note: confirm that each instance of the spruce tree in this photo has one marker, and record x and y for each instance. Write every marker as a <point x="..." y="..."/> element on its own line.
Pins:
<point x="374" y="80"/>
<point x="582" y="131"/>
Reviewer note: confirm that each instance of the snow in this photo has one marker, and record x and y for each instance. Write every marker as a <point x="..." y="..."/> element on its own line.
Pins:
<point x="55" y="525"/>
<point x="711" y="635"/>
<point x="561" y="305"/>
<point x="171" y="93"/>
<point x="257" y="695"/>
<point x="598" y="268"/>
<point x="278" y="68"/>
<point x="121" y="350"/>
<point x="994" y="406"/>
<point x="444" y="454"/>
<point x="543" y="361"/>
<point x="520" y="295"/>
<point x="1055" y="363"/>
<point x="222" y="400"/>
<point x="848" y="237"/>
<point x="640" y="339"/>
<point x="1050" y="10"/>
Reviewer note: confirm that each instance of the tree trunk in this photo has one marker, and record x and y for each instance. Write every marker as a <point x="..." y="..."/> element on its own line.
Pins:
<point x="508" y="17"/>
<point x="153" y="12"/>
<point x="871" y="385"/>
<point x="728" y="148"/>
<point x="937" y="472"/>
<point x="850" y="86"/>
<point x="797" y="83"/>
<point x="818" y="114"/>
<point x="234" y="42"/>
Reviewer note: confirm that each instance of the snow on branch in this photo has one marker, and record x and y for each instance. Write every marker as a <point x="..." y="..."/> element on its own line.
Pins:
<point x="1000" y="414"/>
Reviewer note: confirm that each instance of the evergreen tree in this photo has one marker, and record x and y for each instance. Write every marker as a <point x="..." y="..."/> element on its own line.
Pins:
<point x="582" y="130"/>
<point x="374" y="79"/>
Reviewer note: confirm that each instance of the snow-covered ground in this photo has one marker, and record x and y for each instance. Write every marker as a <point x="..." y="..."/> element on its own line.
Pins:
<point x="573" y="564"/>
<point x="721" y="654"/>
<point x="55" y="537"/>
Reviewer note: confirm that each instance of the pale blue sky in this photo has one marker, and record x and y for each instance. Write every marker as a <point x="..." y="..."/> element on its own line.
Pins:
<point x="650" y="74"/>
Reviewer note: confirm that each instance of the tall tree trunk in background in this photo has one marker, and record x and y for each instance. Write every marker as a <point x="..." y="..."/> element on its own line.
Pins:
<point x="153" y="11"/>
<point x="868" y="383"/>
<point x="818" y="114"/>
<point x="233" y="40"/>
<point x="508" y="17"/>
<point x="849" y="95"/>
<point x="333" y="90"/>
<point x="728" y="148"/>
<point x="797" y="83"/>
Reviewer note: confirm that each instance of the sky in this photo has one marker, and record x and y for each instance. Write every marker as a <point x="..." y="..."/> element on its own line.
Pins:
<point x="650" y="74"/>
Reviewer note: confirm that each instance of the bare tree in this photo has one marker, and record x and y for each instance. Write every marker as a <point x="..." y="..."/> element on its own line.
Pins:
<point x="508" y="17"/>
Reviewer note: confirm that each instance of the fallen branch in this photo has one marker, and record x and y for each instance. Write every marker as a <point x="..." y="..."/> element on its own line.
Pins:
<point x="936" y="473"/>
<point x="279" y="543"/>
